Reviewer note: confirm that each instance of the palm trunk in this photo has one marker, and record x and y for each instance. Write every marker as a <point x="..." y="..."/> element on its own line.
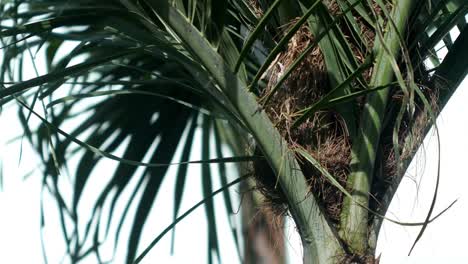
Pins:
<point x="208" y="59"/>
<point x="354" y="217"/>
<point x="264" y="241"/>
<point x="321" y="243"/>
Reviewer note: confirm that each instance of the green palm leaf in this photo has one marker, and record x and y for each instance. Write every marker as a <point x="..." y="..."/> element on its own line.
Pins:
<point x="340" y="77"/>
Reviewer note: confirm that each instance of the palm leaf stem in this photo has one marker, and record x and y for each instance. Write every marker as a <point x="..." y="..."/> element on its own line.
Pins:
<point x="354" y="218"/>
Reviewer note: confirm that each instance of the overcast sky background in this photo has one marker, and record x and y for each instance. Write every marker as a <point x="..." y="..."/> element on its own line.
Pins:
<point x="443" y="241"/>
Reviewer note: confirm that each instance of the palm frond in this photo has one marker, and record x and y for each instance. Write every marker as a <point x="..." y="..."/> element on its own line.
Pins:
<point x="343" y="84"/>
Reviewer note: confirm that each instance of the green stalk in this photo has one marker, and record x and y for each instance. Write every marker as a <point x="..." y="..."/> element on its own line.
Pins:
<point x="320" y="243"/>
<point x="354" y="218"/>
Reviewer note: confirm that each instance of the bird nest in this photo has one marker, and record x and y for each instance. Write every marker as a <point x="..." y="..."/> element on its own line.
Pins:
<point x="324" y="135"/>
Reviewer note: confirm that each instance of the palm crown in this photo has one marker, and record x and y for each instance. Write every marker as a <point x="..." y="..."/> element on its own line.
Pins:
<point x="328" y="99"/>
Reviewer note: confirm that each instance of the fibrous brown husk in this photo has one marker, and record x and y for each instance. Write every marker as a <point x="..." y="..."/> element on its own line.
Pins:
<point x="267" y="185"/>
<point x="323" y="135"/>
<point x="256" y="7"/>
<point x="334" y="155"/>
<point x="356" y="259"/>
<point x="413" y="128"/>
<point x="307" y="83"/>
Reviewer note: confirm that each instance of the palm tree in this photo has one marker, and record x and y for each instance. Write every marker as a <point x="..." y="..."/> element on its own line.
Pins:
<point x="323" y="102"/>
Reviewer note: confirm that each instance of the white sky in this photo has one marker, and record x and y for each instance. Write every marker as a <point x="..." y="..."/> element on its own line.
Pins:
<point x="445" y="239"/>
<point x="20" y="222"/>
